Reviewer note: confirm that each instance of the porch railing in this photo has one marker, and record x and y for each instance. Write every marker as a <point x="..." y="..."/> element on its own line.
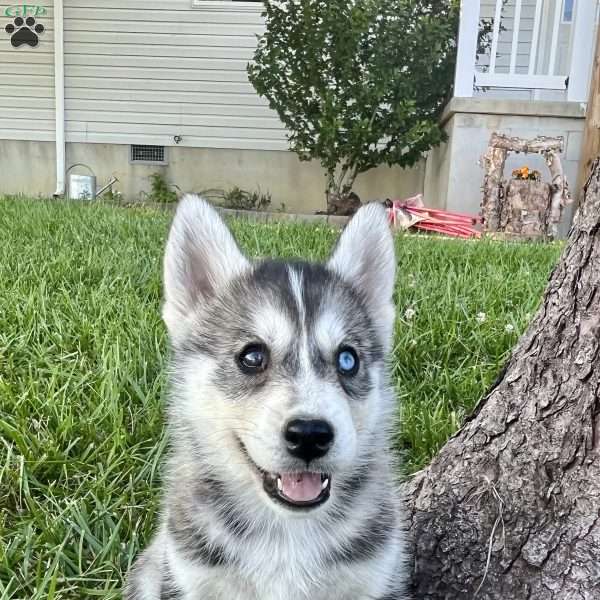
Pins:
<point x="544" y="23"/>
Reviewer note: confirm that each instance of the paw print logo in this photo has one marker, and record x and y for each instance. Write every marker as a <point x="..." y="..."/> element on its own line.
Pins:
<point x="24" y="32"/>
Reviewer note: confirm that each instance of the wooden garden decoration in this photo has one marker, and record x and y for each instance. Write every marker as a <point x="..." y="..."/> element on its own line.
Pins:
<point x="523" y="206"/>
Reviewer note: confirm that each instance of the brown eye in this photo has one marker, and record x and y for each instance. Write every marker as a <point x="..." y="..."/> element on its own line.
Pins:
<point x="253" y="359"/>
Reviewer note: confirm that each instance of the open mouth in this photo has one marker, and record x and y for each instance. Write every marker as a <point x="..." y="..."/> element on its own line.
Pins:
<point x="298" y="490"/>
<point x="304" y="489"/>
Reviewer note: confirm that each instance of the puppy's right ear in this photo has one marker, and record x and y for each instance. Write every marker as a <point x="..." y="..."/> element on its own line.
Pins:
<point x="201" y="257"/>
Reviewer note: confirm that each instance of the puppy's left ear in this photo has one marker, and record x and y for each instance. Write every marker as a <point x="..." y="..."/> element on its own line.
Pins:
<point x="365" y="258"/>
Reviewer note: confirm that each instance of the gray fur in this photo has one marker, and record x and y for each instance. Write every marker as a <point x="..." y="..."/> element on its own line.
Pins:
<point x="221" y="536"/>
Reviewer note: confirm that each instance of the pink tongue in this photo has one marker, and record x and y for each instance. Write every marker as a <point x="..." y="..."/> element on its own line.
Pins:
<point x="301" y="487"/>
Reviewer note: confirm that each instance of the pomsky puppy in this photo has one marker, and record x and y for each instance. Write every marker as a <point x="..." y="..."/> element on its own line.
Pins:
<point x="280" y="483"/>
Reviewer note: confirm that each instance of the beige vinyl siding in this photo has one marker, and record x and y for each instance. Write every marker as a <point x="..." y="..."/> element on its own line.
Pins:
<point x="144" y="71"/>
<point x="27" y="82"/>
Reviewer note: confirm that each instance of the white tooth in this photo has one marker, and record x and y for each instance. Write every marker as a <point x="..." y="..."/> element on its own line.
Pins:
<point x="325" y="484"/>
<point x="279" y="484"/>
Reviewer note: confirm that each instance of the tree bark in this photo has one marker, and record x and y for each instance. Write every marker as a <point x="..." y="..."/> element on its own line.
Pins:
<point x="591" y="134"/>
<point x="560" y="193"/>
<point x="510" y="508"/>
<point x="525" y="210"/>
<point x="341" y="200"/>
<point x="493" y="186"/>
<point x="539" y="145"/>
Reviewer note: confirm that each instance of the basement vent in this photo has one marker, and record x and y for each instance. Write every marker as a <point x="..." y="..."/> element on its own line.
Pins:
<point x="148" y="154"/>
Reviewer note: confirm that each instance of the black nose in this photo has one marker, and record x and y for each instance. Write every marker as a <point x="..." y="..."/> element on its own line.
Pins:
<point x="308" y="438"/>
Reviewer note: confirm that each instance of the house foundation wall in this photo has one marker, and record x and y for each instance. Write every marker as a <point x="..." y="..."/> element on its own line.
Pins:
<point x="450" y="178"/>
<point x="29" y="168"/>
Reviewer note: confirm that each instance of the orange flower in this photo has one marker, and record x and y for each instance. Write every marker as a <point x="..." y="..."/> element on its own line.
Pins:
<point x="524" y="173"/>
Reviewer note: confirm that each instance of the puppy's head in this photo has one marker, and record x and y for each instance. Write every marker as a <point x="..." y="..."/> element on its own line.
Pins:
<point x="278" y="370"/>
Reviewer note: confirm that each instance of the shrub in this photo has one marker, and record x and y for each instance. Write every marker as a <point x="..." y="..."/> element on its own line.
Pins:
<point x="357" y="83"/>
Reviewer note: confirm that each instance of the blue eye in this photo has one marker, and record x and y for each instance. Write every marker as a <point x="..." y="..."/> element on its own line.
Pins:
<point x="347" y="361"/>
<point x="253" y="359"/>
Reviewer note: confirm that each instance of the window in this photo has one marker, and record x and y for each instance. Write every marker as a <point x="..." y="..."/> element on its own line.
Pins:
<point x="567" y="11"/>
<point x="148" y="154"/>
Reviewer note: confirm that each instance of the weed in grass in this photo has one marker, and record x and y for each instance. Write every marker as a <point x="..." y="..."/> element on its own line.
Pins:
<point x="160" y="190"/>
<point x="238" y="199"/>
<point x="82" y="372"/>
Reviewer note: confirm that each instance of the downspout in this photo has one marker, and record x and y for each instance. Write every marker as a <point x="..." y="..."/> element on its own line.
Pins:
<point x="59" y="92"/>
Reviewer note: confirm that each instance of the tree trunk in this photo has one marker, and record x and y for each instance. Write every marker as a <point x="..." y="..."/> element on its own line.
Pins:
<point x="591" y="134"/>
<point x="510" y="508"/>
<point x="341" y="200"/>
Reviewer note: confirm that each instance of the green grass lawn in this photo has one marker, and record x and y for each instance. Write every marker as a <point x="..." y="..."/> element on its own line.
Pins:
<point x="82" y="355"/>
